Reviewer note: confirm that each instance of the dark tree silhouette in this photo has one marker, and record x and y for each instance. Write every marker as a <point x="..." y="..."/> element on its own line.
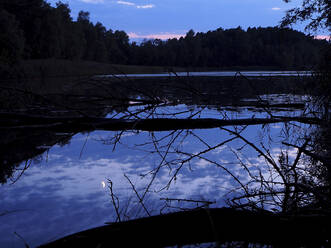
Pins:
<point x="316" y="12"/>
<point x="11" y="39"/>
<point x="50" y="32"/>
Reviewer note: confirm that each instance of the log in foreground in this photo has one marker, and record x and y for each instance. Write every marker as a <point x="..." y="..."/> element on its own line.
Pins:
<point x="83" y="124"/>
<point x="205" y="225"/>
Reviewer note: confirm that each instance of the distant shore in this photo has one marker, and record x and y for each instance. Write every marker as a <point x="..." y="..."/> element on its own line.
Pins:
<point x="71" y="68"/>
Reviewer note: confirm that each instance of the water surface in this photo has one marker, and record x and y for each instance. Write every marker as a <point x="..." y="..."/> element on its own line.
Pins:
<point x="66" y="188"/>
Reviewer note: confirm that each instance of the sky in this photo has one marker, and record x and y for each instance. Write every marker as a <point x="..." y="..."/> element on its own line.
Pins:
<point x="173" y="18"/>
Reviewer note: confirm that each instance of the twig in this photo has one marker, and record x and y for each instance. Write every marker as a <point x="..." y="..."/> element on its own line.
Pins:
<point x="141" y="200"/>
<point x="21" y="238"/>
<point x="115" y="201"/>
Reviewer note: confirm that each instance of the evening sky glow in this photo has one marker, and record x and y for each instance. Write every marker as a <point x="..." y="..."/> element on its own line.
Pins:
<point x="172" y="18"/>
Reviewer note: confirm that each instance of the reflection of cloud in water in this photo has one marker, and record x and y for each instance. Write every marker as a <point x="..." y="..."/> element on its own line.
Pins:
<point x="277" y="126"/>
<point x="202" y="163"/>
<point x="291" y="152"/>
<point x="219" y="149"/>
<point x="54" y="156"/>
<point x="58" y="195"/>
<point x="206" y="185"/>
<point x="66" y="194"/>
<point x="50" y="219"/>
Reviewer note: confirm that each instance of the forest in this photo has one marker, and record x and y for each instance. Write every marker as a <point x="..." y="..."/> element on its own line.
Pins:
<point x="36" y="30"/>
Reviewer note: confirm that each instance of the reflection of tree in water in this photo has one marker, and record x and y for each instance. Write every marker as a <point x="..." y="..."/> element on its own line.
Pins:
<point x="292" y="185"/>
<point x="25" y="146"/>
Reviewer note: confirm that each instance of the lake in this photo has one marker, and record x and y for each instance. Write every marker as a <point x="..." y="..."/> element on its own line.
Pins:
<point x="59" y="180"/>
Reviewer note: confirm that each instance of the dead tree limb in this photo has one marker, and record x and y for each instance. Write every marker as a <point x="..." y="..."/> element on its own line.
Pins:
<point x="205" y="225"/>
<point x="80" y="124"/>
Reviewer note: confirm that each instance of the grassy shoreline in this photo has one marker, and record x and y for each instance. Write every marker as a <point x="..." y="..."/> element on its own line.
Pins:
<point x="55" y="76"/>
<point x="60" y="67"/>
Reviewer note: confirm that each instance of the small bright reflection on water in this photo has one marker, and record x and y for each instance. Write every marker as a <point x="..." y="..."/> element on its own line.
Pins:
<point x="103" y="184"/>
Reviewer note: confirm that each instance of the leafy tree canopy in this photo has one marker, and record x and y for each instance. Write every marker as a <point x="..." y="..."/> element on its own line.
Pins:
<point x="316" y="12"/>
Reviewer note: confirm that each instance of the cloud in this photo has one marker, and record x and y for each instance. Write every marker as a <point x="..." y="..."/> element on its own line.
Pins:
<point x="322" y="37"/>
<point x="276" y="8"/>
<point x="162" y="36"/>
<point x="93" y="1"/>
<point x="147" y="6"/>
<point x="125" y="3"/>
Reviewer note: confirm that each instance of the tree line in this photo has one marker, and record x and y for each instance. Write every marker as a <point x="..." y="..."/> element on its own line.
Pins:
<point x="33" y="29"/>
<point x="271" y="46"/>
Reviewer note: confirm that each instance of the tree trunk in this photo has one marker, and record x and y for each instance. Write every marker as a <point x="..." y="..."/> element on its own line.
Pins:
<point x="205" y="225"/>
<point x="82" y="124"/>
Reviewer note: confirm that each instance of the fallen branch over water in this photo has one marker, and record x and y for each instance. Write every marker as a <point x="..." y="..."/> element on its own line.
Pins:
<point x="80" y="124"/>
<point x="205" y="225"/>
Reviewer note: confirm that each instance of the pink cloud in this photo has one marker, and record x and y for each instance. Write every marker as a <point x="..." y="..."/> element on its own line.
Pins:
<point x="162" y="36"/>
<point x="322" y="37"/>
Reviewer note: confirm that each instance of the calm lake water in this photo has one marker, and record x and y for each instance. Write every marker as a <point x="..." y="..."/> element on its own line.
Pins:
<point x="66" y="189"/>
